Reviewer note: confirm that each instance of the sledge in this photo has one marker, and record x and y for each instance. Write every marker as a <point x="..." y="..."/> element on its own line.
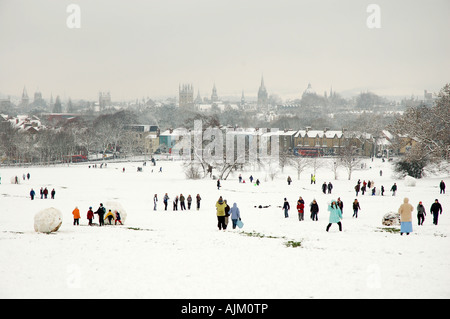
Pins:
<point x="239" y="224"/>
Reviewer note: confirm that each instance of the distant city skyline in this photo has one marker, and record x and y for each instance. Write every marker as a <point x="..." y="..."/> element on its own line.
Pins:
<point x="136" y="49"/>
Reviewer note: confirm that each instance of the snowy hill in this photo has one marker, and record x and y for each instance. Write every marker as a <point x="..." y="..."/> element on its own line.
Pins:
<point x="182" y="254"/>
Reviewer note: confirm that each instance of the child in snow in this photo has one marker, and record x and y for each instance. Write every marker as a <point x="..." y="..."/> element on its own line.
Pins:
<point x="90" y="216"/>
<point x="109" y="216"/>
<point x="76" y="216"/>
<point x="118" y="218"/>
<point x="300" y="208"/>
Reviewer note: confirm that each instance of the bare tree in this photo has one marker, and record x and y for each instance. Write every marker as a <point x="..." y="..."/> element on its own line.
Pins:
<point x="299" y="163"/>
<point x="334" y="165"/>
<point x="348" y="157"/>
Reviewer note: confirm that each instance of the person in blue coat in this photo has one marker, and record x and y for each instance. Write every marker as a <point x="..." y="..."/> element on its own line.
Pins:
<point x="235" y="215"/>
<point x="335" y="215"/>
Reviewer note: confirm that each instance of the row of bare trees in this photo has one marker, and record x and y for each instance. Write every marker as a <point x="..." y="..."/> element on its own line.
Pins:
<point x="79" y="136"/>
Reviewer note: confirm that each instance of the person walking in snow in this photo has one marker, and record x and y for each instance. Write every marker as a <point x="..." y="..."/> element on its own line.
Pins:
<point x="357" y="188"/>
<point x="289" y="180"/>
<point x="405" y="211"/>
<point x="32" y="193"/>
<point x="314" y="210"/>
<point x="394" y="189"/>
<point x="165" y="201"/>
<point x="198" y="199"/>
<point x="421" y="214"/>
<point x="227" y="213"/>
<point x="100" y="212"/>
<point x="330" y="187"/>
<point x="182" y="205"/>
<point x="218" y="184"/>
<point x="335" y="215"/>
<point x="324" y="187"/>
<point x="175" y="203"/>
<point x="235" y="215"/>
<point x="340" y="203"/>
<point x="356" y="208"/>
<point x="155" y="201"/>
<point x="90" y="215"/>
<point x="286" y="208"/>
<point x="189" y="201"/>
<point x="76" y="216"/>
<point x="220" y="212"/>
<point x="53" y="193"/>
<point x="301" y="208"/>
<point x="436" y="209"/>
<point x="442" y="187"/>
<point x="45" y="192"/>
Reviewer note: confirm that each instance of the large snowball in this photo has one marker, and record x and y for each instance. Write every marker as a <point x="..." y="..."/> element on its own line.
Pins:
<point x="410" y="181"/>
<point x="391" y="219"/>
<point x="115" y="206"/>
<point x="47" y="220"/>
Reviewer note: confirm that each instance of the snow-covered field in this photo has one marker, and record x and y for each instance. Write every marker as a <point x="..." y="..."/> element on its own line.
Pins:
<point x="182" y="254"/>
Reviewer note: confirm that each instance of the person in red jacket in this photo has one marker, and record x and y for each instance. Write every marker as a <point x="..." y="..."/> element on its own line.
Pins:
<point x="90" y="216"/>
<point x="300" y="208"/>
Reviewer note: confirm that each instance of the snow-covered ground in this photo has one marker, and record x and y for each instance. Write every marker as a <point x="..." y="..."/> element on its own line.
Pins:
<point x="182" y="254"/>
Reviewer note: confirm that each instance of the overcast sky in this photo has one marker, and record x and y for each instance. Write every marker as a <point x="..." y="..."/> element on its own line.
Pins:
<point x="137" y="48"/>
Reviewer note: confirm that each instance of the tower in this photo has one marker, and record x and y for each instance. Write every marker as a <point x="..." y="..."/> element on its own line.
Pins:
<point x="214" y="97"/>
<point x="263" y="100"/>
<point x="242" y="99"/>
<point x="198" y="99"/>
<point x="25" y="100"/>
<point x="186" y="95"/>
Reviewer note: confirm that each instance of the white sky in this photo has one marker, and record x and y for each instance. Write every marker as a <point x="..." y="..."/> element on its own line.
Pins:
<point x="137" y="48"/>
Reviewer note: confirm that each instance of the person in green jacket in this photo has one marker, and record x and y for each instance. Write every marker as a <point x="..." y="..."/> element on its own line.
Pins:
<point x="335" y="215"/>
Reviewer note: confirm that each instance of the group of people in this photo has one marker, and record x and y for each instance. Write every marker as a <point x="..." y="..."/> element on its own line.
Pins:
<point x="102" y="216"/>
<point x="405" y="212"/>
<point x="241" y="180"/>
<point x="335" y="208"/>
<point x="370" y="187"/>
<point x="178" y="199"/>
<point x="224" y="212"/>
<point x="43" y="192"/>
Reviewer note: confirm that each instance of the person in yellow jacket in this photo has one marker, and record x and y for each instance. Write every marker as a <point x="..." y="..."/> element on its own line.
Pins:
<point x="109" y="216"/>
<point x="76" y="216"/>
<point x="405" y="212"/>
<point x="220" y="211"/>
